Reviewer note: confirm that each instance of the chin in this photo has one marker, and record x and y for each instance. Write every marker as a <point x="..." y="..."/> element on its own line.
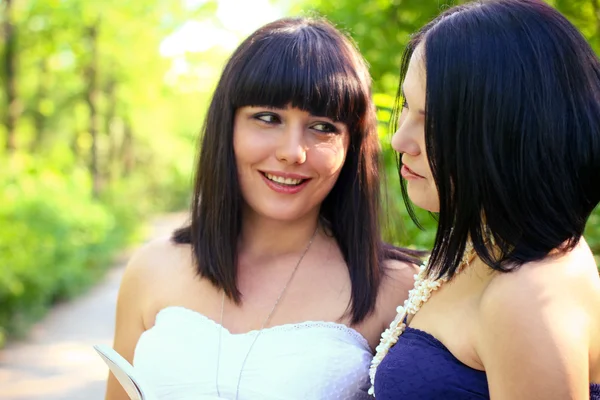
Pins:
<point x="282" y="214"/>
<point x="425" y="200"/>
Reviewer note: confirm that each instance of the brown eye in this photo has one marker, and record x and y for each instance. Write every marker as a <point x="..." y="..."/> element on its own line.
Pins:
<point x="268" y="118"/>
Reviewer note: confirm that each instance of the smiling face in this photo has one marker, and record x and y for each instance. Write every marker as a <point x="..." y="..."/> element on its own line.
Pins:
<point x="409" y="139"/>
<point x="287" y="159"/>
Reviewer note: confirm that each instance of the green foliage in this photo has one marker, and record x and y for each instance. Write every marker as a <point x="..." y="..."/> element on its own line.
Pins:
<point x="380" y="28"/>
<point x="106" y="132"/>
<point x="56" y="239"/>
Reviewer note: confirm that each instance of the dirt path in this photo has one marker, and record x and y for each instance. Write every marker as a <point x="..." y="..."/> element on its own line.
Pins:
<point x="56" y="361"/>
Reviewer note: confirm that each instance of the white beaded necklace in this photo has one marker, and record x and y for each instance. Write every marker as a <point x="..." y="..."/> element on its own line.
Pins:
<point x="417" y="296"/>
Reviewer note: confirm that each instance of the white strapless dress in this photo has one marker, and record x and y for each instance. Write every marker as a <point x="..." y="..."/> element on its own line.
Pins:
<point x="308" y="360"/>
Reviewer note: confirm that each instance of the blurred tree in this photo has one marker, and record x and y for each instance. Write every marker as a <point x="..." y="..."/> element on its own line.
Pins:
<point x="86" y="70"/>
<point x="381" y="28"/>
<point x="10" y="71"/>
<point x="585" y="14"/>
<point x="97" y="129"/>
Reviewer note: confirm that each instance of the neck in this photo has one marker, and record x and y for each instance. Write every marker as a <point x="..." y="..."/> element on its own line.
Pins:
<point x="268" y="237"/>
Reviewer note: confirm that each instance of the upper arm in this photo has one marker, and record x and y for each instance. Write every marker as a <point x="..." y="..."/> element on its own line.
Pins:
<point x="533" y="339"/>
<point x="129" y="315"/>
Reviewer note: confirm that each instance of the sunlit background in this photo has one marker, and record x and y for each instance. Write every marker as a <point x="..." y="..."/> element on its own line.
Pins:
<point x="102" y="104"/>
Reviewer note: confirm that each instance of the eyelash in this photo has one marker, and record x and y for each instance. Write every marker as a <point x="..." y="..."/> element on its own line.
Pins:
<point x="404" y="103"/>
<point x="262" y="115"/>
<point x="328" y="128"/>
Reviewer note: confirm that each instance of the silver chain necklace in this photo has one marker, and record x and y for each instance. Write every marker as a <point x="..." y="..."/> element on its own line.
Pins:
<point x="265" y="323"/>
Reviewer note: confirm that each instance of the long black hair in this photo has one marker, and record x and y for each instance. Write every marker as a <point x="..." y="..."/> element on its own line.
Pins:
<point x="512" y="131"/>
<point x="305" y="63"/>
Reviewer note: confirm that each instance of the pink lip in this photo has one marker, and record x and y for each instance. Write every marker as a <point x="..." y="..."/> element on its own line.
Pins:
<point x="283" y="188"/>
<point x="409" y="174"/>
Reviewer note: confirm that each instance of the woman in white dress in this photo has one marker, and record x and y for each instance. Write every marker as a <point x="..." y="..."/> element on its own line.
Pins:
<point x="280" y="286"/>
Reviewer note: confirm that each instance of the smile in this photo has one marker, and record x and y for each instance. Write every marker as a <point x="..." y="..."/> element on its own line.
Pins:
<point x="285" y="184"/>
<point x="283" y="180"/>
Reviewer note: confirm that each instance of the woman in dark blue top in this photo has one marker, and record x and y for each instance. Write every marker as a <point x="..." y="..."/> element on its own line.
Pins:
<point x="499" y="134"/>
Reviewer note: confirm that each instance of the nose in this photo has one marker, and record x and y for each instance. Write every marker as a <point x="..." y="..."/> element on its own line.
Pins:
<point x="291" y="148"/>
<point x="404" y="139"/>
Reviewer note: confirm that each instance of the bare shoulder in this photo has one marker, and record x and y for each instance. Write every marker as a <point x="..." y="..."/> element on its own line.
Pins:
<point x="152" y="267"/>
<point x="159" y="256"/>
<point x="537" y="324"/>
<point x="570" y="279"/>
<point x="159" y="249"/>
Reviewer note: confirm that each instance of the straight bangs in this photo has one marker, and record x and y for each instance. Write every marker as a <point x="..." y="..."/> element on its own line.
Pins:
<point x="304" y="69"/>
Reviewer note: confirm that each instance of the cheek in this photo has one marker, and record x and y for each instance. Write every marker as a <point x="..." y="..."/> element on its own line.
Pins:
<point x="246" y="153"/>
<point x="248" y="148"/>
<point x="424" y="195"/>
<point x="427" y="167"/>
<point x="328" y="158"/>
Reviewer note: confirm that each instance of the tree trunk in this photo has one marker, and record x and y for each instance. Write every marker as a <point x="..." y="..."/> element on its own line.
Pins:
<point x="10" y="78"/>
<point x="127" y="155"/>
<point x="110" y="130"/>
<point x="91" y="98"/>
<point x="39" y="118"/>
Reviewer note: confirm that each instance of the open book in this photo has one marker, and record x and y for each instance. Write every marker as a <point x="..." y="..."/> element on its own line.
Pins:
<point x="125" y="374"/>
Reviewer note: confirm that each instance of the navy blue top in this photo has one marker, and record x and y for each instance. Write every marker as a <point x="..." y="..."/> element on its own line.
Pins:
<point x="420" y="367"/>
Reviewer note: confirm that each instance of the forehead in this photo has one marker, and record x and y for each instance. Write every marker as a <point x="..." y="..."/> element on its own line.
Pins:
<point x="415" y="79"/>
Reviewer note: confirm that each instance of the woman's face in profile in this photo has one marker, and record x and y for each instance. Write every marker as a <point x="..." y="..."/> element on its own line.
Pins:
<point x="409" y="139"/>
<point x="288" y="159"/>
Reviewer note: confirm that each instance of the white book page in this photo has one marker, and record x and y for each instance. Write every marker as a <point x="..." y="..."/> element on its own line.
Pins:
<point x="125" y="374"/>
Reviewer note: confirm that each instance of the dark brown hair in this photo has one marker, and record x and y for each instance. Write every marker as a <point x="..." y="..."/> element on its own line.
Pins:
<point x="308" y="64"/>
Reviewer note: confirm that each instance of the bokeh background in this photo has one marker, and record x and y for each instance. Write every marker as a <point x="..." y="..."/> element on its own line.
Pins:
<point x="101" y="106"/>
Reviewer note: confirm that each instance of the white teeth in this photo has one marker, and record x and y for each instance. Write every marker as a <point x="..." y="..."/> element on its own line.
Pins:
<point x="281" y="179"/>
